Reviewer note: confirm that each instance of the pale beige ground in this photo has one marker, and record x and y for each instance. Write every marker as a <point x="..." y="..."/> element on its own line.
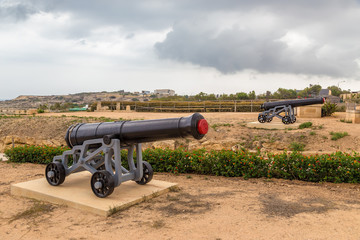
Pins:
<point x="206" y="207"/>
<point x="228" y="131"/>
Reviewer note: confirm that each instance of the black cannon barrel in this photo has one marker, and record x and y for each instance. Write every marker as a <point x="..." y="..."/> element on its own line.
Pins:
<point x="293" y="103"/>
<point x="129" y="132"/>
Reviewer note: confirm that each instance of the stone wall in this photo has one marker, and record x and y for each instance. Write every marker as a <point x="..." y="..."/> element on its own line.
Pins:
<point x="10" y="111"/>
<point x="353" y="116"/>
<point x="311" y="111"/>
<point x="9" y="141"/>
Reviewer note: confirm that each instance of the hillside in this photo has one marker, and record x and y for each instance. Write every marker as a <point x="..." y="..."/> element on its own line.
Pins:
<point x="33" y="101"/>
<point x="227" y="130"/>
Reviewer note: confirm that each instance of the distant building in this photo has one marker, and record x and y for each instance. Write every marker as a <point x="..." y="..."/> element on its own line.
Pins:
<point x="351" y="95"/>
<point x="324" y="92"/>
<point x="144" y="92"/>
<point x="164" y="92"/>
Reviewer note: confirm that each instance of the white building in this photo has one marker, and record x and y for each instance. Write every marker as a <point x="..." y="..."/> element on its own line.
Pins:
<point x="164" y="92"/>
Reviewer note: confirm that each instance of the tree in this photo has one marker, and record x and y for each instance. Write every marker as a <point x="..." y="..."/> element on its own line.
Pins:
<point x="200" y="96"/>
<point x="336" y="91"/>
<point x="252" y="95"/>
<point x="283" y="93"/>
<point x="310" y="91"/>
<point x="241" y="96"/>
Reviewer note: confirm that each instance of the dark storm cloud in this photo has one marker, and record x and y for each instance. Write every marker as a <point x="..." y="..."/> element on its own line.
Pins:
<point x="325" y="27"/>
<point x="235" y="50"/>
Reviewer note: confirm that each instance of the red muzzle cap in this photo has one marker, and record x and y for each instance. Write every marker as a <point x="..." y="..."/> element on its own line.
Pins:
<point x="202" y="126"/>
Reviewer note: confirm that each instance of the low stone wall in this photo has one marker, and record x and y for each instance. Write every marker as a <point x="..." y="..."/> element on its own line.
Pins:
<point x="353" y="116"/>
<point x="311" y="111"/>
<point x="9" y="141"/>
<point x="18" y="111"/>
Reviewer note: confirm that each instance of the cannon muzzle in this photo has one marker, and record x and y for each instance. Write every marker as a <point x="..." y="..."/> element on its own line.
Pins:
<point x="130" y="132"/>
<point x="293" y="103"/>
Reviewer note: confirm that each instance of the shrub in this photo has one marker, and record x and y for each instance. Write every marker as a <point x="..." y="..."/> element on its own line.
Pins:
<point x="328" y="109"/>
<point x="295" y="146"/>
<point x="341" y="108"/>
<point x="305" y="125"/>
<point x="216" y="125"/>
<point x="337" y="135"/>
<point x="33" y="154"/>
<point x="345" y="121"/>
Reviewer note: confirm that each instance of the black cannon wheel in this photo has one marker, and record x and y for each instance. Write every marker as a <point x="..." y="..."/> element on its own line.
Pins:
<point x="55" y="173"/>
<point x="102" y="183"/>
<point x="294" y="120"/>
<point x="269" y="119"/>
<point x="262" y="118"/>
<point x="147" y="174"/>
<point x="286" y="120"/>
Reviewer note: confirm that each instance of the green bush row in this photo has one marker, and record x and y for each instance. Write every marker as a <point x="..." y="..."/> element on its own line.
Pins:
<point x="33" y="154"/>
<point x="336" y="167"/>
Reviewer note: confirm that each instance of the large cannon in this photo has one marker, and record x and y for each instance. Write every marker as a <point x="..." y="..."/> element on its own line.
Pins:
<point x="96" y="147"/>
<point x="274" y="109"/>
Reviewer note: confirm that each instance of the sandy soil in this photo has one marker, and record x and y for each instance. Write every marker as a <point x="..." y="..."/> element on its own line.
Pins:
<point x="204" y="207"/>
<point x="228" y="131"/>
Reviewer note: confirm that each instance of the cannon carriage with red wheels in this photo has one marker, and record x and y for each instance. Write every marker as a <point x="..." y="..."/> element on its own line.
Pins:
<point x="284" y="109"/>
<point x="96" y="147"/>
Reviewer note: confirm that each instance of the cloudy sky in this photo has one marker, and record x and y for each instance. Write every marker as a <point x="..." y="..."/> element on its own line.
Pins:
<point x="60" y="47"/>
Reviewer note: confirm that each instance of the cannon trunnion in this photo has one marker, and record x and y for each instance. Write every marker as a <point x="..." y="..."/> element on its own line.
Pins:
<point x="96" y="147"/>
<point x="274" y="109"/>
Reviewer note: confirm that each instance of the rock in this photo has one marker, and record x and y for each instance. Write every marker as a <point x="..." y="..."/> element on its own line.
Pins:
<point x="236" y="147"/>
<point x="30" y="141"/>
<point x="274" y="145"/>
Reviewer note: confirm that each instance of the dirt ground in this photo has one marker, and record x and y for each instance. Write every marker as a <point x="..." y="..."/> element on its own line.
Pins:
<point x="227" y="130"/>
<point x="204" y="207"/>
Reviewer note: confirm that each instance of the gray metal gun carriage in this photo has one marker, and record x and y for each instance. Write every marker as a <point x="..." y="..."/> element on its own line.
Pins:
<point x="274" y="109"/>
<point x="96" y="147"/>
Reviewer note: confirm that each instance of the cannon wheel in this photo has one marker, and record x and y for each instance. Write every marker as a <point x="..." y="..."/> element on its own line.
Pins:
<point x="147" y="174"/>
<point x="269" y="119"/>
<point x="294" y="120"/>
<point x="55" y="173"/>
<point x="102" y="183"/>
<point x="262" y="118"/>
<point x="286" y="120"/>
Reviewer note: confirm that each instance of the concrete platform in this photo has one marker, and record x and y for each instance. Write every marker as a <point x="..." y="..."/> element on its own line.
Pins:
<point x="76" y="192"/>
<point x="272" y="125"/>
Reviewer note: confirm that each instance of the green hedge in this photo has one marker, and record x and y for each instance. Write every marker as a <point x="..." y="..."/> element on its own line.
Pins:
<point x="337" y="167"/>
<point x="33" y="154"/>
